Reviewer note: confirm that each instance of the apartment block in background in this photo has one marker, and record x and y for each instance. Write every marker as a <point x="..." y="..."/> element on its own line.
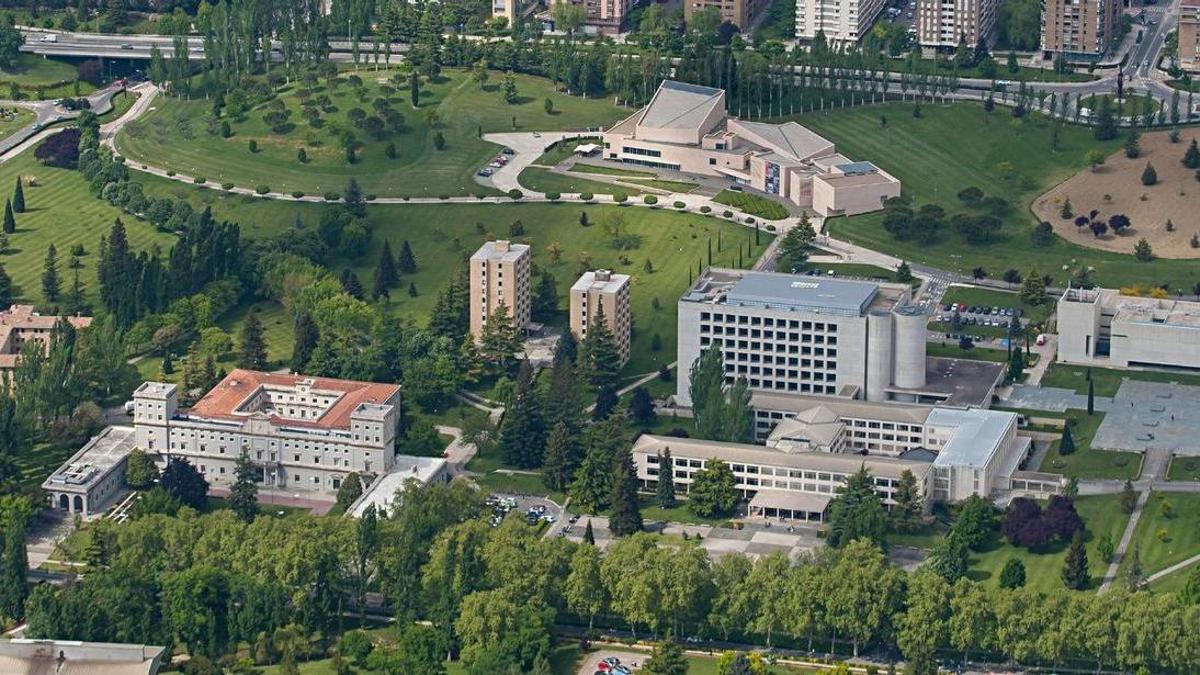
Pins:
<point x="20" y="324"/>
<point x="845" y="21"/>
<point x="1081" y="29"/>
<point x="500" y="273"/>
<point x="604" y="17"/>
<point x="602" y="288"/>
<point x="1189" y="35"/>
<point x="740" y="13"/>
<point x="942" y="23"/>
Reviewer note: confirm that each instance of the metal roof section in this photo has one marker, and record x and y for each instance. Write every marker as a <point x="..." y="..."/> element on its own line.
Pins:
<point x="789" y="139"/>
<point x="804" y="294"/>
<point x="677" y="105"/>
<point x="857" y="168"/>
<point x="977" y="437"/>
<point x="94" y="460"/>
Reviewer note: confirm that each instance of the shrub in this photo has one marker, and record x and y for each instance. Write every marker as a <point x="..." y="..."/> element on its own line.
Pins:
<point x="706" y="209"/>
<point x="1149" y="175"/>
<point x="770" y="228"/>
<point x="297" y="194"/>
<point x="199" y="180"/>
<point x="727" y="214"/>
<point x="370" y="197"/>
<point x="333" y="196"/>
<point x="515" y="194"/>
<point x="170" y="173"/>
<point x="970" y="195"/>
<point x="480" y="195"/>
<point x="650" y="199"/>
<point x="679" y="205"/>
<point x="553" y="196"/>
<point x="227" y="186"/>
<point x="262" y="189"/>
<point x="443" y="197"/>
<point x="253" y="145"/>
<point x="620" y="197"/>
<point x="750" y="220"/>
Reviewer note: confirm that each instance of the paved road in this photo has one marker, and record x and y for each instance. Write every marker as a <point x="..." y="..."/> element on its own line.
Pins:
<point x="49" y="112"/>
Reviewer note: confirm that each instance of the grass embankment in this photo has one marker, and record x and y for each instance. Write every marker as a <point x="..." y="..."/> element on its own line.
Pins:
<point x="1107" y="380"/>
<point x="545" y="180"/>
<point x="1101" y="515"/>
<point x="1166" y="533"/>
<point x="176" y="136"/>
<point x="53" y="78"/>
<point x="752" y="204"/>
<point x="957" y="145"/>
<point x="1086" y="461"/>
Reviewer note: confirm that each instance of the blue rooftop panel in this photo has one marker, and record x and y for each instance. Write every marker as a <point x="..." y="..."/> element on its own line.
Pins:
<point x="812" y="294"/>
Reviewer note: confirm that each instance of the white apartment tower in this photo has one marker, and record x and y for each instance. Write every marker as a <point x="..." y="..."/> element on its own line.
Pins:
<point x="842" y="21"/>
<point x="500" y="275"/>
<point x="942" y="23"/>
<point x="603" y="289"/>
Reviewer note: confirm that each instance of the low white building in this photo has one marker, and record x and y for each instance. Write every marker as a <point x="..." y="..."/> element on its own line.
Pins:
<point x="93" y="477"/>
<point x="381" y="493"/>
<point x="1101" y="327"/>
<point x="69" y="657"/>
<point x="303" y="434"/>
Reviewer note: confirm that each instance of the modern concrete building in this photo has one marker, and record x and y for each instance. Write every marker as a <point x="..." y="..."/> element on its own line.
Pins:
<point x="1101" y="327"/>
<point x="685" y="128"/>
<point x="20" y="324"/>
<point x="943" y="23"/>
<point x="813" y="444"/>
<point x="1189" y="35"/>
<point x="68" y="657"/>
<point x="841" y="21"/>
<point x="304" y="434"/>
<point x="418" y="471"/>
<point x="89" y="482"/>
<point x="500" y="272"/>
<point x="1079" y="29"/>
<point x="805" y="335"/>
<point x="741" y="13"/>
<point x="605" y="290"/>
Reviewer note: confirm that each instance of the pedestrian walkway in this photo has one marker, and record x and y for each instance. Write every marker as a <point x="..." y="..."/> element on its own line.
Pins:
<point x="1126" y="536"/>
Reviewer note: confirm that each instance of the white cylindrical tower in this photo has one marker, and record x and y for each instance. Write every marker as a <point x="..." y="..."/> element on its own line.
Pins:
<point x="878" y="355"/>
<point x="910" y="347"/>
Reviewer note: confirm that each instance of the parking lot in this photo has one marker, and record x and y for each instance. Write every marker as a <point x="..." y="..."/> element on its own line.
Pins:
<point x="627" y="659"/>
<point x="528" y="508"/>
<point x="977" y="315"/>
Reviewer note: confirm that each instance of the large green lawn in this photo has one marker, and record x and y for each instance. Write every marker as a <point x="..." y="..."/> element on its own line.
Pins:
<point x="1086" y="461"/>
<point x="177" y="135"/>
<point x="545" y="180"/>
<point x="61" y="211"/>
<point x="1107" y="380"/>
<point x="14" y="120"/>
<point x="1162" y="539"/>
<point x="1184" y="468"/>
<point x="1101" y="515"/>
<point x="957" y="145"/>
<point x="55" y="78"/>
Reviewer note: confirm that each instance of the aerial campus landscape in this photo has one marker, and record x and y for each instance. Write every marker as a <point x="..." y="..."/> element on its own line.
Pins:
<point x="553" y="337"/>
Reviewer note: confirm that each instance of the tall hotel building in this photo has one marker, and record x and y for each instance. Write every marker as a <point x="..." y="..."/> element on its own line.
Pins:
<point x="603" y="288"/>
<point x="500" y="272"/>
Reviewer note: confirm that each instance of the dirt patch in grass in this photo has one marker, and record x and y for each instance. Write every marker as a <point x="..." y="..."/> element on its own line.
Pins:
<point x="1116" y="188"/>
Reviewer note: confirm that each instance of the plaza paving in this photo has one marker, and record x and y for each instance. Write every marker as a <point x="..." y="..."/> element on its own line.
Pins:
<point x="1152" y="416"/>
<point x="1052" y="398"/>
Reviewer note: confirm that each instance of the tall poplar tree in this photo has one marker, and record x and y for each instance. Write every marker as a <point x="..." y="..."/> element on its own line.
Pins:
<point x="253" y="352"/>
<point x="243" y="496"/>
<point x="51" y="284"/>
<point x="305" y="341"/>
<point x="18" y="198"/>
<point x="665" y="490"/>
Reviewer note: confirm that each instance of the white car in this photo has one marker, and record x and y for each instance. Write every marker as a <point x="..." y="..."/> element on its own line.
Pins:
<point x="49" y="38"/>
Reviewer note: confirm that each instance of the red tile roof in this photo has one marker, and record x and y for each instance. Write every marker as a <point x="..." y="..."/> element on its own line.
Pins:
<point x="223" y="400"/>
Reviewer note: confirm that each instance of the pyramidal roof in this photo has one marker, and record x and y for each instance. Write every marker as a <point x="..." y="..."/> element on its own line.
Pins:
<point x="678" y="105"/>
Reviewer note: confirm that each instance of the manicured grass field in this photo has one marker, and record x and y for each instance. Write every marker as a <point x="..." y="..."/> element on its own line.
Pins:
<point x="610" y="170"/>
<point x="1101" y="515"/>
<point x="1086" y="461"/>
<point x="1164" y="540"/>
<point x="987" y="297"/>
<point x="1184" y="468"/>
<point x="1003" y="73"/>
<point x="1107" y="380"/>
<point x="40" y="461"/>
<point x="957" y="145"/>
<point x="61" y="211"/>
<point x="34" y="71"/>
<point x="545" y="180"/>
<point x="441" y="235"/>
<point x="18" y="118"/>
<point x="177" y="136"/>
<point x="752" y="204"/>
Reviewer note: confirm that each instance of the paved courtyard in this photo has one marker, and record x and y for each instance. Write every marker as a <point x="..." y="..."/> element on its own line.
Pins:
<point x="1051" y="398"/>
<point x="1152" y="415"/>
<point x="755" y="540"/>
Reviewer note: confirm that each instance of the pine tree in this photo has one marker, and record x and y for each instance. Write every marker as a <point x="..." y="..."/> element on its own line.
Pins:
<point x="606" y="403"/>
<point x="1136" y="578"/>
<point x="380" y="288"/>
<point x="1013" y="574"/>
<point x="406" y="263"/>
<point x="666" y="659"/>
<point x="626" y="514"/>
<point x="306" y="335"/>
<point x="76" y="303"/>
<point x="470" y="363"/>
<point x="414" y="89"/>
<point x="353" y="200"/>
<point x="6" y="288"/>
<point x="498" y="341"/>
<point x="1191" y="158"/>
<point x="589" y="535"/>
<point x="561" y="458"/>
<point x="1066" y="445"/>
<point x="386" y="276"/>
<point x="665" y="489"/>
<point x="641" y="407"/>
<point x="907" y="510"/>
<point x="10" y="224"/>
<point x="50" y="281"/>
<point x="1129" y="497"/>
<point x="14" y="571"/>
<point x="1075" y="567"/>
<point x="18" y="198"/>
<point x="351" y="284"/>
<point x="522" y="434"/>
<point x="253" y="353"/>
<point x="243" y="496"/>
<point x="562" y="402"/>
<point x="600" y="359"/>
<point x="168" y="366"/>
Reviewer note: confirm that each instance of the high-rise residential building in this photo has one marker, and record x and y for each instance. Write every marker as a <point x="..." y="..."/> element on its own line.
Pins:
<point x="301" y="433"/>
<point x="1080" y="29"/>
<point x="605" y="290"/>
<point x="943" y="23"/>
<point x="509" y="9"/>
<point x="1189" y="35"/>
<point x="740" y="13"/>
<point x="842" y="21"/>
<point x="500" y="272"/>
<point x="805" y="335"/>
<point x="603" y="16"/>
